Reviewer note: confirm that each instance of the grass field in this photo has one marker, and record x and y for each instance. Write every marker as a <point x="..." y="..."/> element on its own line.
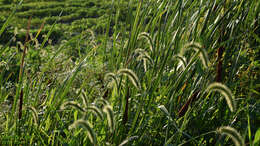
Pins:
<point x="129" y="72"/>
<point x="70" y="17"/>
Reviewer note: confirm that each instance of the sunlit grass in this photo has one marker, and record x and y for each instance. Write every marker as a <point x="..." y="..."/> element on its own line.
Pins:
<point x="129" y="72"/>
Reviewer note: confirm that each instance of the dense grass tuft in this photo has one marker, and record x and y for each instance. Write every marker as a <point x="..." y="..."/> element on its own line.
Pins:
<point x="129" y="72"/>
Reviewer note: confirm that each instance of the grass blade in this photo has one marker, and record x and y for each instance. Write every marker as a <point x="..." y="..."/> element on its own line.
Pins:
<point x="9" y="18"/>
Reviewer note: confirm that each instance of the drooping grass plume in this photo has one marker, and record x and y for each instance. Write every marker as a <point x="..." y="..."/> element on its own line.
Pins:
<point x="131" y="75"/>
<point x="112" y="76"/>
<point x="110" y="117"/>
<point x="84" y="98"/>
<point x="95" y="110"/>
<point x="34" y="114"/>
<point x="128" y="140"/>
<point x="93" y="37"/>
<point x="86" y="125"/>
<point x="143" y="55"/>
<point x="203" y="53"/>
<point x="181" y="58"/>
<point x="236" y="137"/>
<point x="163" y="109"/>
<point x="225" y="91"/>
<point x="72" y="104"/>
<point x="101" y="101"/>
<point x="147" y="36"/>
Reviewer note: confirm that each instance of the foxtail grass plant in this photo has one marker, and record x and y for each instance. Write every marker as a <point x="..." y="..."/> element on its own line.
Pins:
<point x="129" y="72"/>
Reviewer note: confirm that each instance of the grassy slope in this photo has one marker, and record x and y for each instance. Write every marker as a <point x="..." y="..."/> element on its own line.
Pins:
<point x="77" y="16"/>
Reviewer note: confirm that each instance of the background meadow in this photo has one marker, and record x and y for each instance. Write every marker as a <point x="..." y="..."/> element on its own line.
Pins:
<point x="129" y="72"/>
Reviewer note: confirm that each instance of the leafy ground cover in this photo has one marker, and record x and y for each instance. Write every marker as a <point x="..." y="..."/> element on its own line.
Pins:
<point x="129" y="72"/>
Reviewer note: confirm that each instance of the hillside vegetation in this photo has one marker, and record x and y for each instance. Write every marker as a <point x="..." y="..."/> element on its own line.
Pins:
<point x="71" y="17"/>
<point x="129" y="72"/>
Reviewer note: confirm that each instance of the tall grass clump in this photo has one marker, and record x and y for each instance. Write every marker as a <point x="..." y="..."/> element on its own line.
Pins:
<point x="129" y="72"/>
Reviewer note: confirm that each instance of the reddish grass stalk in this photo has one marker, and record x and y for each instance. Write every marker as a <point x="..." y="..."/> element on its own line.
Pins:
<point x="22" y="66"/>
<point x="185" y="107"/>
<point x="219" y="65"/>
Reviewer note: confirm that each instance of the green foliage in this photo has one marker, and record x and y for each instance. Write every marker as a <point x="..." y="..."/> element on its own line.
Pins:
<point x="129" y="72"/>
<point x="257" y="137"/>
